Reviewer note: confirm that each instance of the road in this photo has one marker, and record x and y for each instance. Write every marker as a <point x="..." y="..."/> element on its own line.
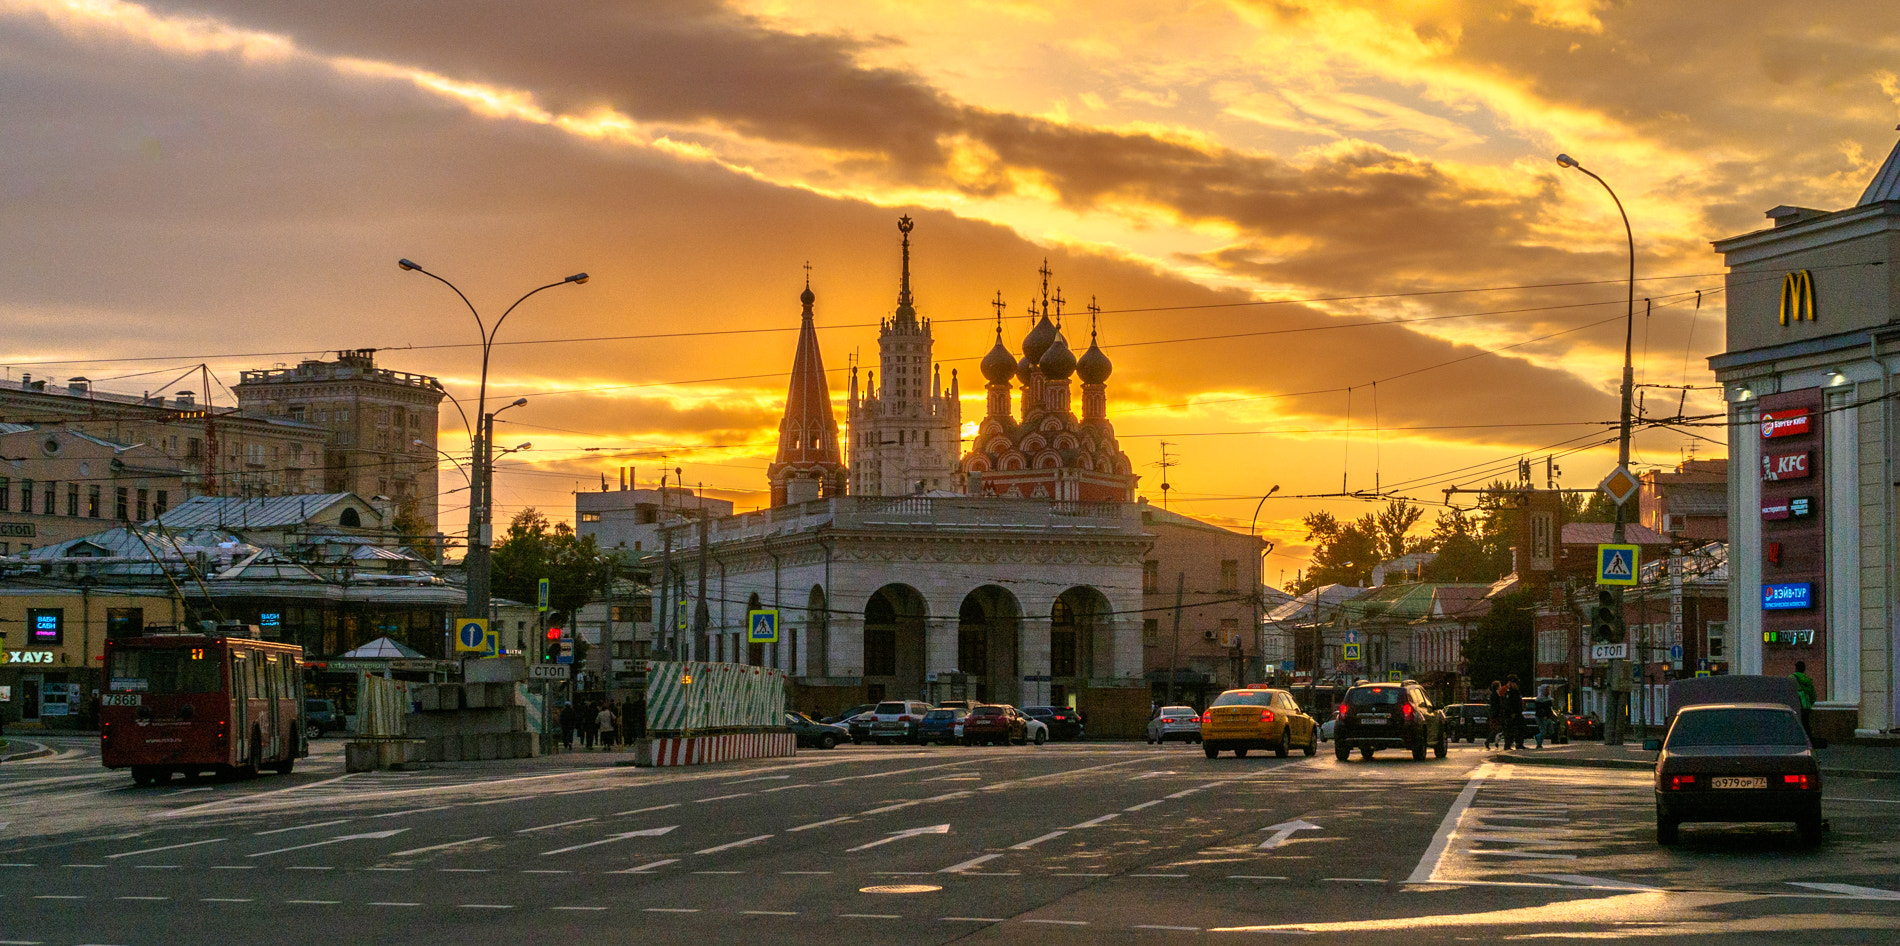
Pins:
<point x="1080" y="843"/>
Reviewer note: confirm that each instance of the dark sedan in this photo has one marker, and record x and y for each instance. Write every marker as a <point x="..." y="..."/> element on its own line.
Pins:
<point x="1737" y="762"/>
<point x="812" y="733"/>
<point x="1063" y="722"/>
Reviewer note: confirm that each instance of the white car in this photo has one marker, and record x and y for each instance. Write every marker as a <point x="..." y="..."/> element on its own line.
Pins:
<point x="1174" y="722"/>
<point x="1038" y="731"/>
<point x="1326" y="730"/>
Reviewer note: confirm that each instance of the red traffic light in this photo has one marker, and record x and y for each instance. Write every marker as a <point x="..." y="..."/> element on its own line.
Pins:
<point x="554" y="633"/>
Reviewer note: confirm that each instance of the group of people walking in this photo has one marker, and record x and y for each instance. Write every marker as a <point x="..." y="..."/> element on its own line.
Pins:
<point x="1507" y="715"/>
<point x="597" y="722"/>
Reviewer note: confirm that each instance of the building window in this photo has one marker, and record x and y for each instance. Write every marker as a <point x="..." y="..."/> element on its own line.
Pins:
<point x="1718" y="639"/>
<point x="1150" y="577"/>
<point x="194" y="448"/>
<point x="92" y="502"/>
<point x="142" y="509"/>
<point x="255" y="454"/>
<point x="122" y="499"/>
<point x="297" y="412"/>
<point x="124" y="622"/>
<point x="49" y="499"/>
<point x="1150" y="632"/>
<point x="163" y="504"/>
<point x="72" y="499"/>
<point x="1229" y="631"/>
<point x="1230" y="574"/>
<point x="26" y="496"/>
<point x="590" y="517"/>
<point x="6" y="494"/>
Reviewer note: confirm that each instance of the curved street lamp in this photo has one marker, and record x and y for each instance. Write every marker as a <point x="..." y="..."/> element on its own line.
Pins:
<point x="1613" y="728"/>
<point x="480" y="506"/>
<point x="1259" y="578"/>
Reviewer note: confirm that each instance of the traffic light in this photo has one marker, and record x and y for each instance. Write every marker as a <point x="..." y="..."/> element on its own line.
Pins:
<point x="1603" y="618"/>
<point x="553" y="652"/>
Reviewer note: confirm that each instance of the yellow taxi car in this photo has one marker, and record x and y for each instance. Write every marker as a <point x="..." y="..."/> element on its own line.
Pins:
<point x="1257" y="718"/>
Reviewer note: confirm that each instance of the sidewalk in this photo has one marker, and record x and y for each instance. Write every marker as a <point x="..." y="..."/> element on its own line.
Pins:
<point x="1838" y="761"/>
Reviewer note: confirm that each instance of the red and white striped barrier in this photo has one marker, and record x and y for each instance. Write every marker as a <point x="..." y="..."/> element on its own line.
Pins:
<point x="700" y="750"/>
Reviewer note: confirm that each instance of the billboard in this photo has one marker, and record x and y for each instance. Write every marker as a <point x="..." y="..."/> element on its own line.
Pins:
<point x="1776" y="467"/>
<point x="1787" y="596"/>
<point x="1786" y="423"/>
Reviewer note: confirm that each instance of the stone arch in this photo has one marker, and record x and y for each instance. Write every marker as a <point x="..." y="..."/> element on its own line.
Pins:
<point x="989" y="634"/>
<point x="1065" y="442"/>
<point x="1013" y="461"/>
<point x="817" y="633"/>
<point x="894" y="618"/>
<point x="349" y="519"/>
<point x="1080" y="621"/>
<point x="1049" y="460"/>
<point x="977" y="464"/>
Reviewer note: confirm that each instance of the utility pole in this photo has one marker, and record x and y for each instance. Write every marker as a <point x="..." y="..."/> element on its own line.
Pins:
<point x="1174" y="663"/>
<point x="1165" y="465"/>
<point x="702" y="616"/>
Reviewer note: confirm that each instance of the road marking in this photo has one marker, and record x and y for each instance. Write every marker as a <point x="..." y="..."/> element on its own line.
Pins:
<point x="1180" y="929"/>
<point x="974" y="919"/>
<point x="1183" y="793"/>
<point x="234" y="867"/>
<point x="23" y="865"/>
<point x="952" y="796"/>
<point x="1283" y="831"/>
<point x="769" y="912"/>
<point x="1352" y="880"/>
<point x="486" y="906"/>
<point x="558" y="824"/>
<point x="578" y="908"/>
<point x="702" y="801"/>
<point x="1254" y="877"/>
<point x="643" y="868"/>
<point x="159" y="867"/>
<point x="966" y="865"/>
<point x="153" y="850"/>
<point x="1861" y="893"/>
<point x="1148" y="775"/>
<point x="438" y="847"/>
<point x="762" y="778"/>
<point x="85" y="865"/>
<point x="310" y="868"/>
<point x="177" y="812"/>
<point x="390" y="869"/>
<point x="1528" y="855"/>
<point x="301" y="827"/>
<point x="732" y="844"/>
<point x="224" y="900"/>
<point x="1601" y="883"/>
<point x="1434" y="852"/>
<point x="547" y="871"/>
<point x="901" y="835"/>
<point x="1032" y="842"/>
<point x="412" y="811"/>
<point x="392" y="903"/>
<point x="1076" y="875"/>
<point x="1870" y="801"/>
<point x="141" y="898"/>
<point x="1146" y="804"/>
<point x="464" y="870"/>
<point x="723" y="873"/>
<point x="643" y="833"/>
<point x="813" y="873"/>
<point x="870" y="916"/>
<point x="1092" y="822"/>
<point x="369" y="836"/>
<point x="316" y="902"/>
<point x="1169" y="876"/>
<point x="671" y="910"/>
<point x="58" y="896"/>
<point x="1524" y="836"/>
<point x="642" y="811"/>
<point x="1060" y="922"/>
<point x="924" y="768"/>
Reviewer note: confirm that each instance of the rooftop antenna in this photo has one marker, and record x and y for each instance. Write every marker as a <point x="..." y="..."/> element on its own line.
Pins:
<point x="1166" y="464"/>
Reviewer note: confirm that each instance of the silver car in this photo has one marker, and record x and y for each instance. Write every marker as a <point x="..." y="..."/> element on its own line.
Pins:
<point x="1174" y="722"/>
<point x="898" y="721"/>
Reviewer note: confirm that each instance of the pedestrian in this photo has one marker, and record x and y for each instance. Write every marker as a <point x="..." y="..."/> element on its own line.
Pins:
<point x="588" y="712"/>
<point x="1545" y="717"/>
<point x="1805" y="685"/>
<point x="570" y="719"/>
<point x="1496" y="727"/>
<point x="607" y="724"/>
<point x="1513" y="714"/>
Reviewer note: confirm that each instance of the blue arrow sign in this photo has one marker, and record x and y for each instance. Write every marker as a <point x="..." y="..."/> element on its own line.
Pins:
<point x="471" y="634"/>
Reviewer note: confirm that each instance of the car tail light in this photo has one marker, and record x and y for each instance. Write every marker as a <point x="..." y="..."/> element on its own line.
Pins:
<point x="1266" y="716"/>
<point x="1406" y="709"/>
<point x="1679" y="782"/>
<point x="904" y="718"/>
<point x="1342" y="709"/>
<point x="1797" y="781"/>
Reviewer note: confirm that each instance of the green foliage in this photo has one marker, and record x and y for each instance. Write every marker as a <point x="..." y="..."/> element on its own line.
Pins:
<point x="1345" y="553"/>
<point x="1501" y="644"/>
<point x="576" y="570"/>
<point x="415" y="531"/>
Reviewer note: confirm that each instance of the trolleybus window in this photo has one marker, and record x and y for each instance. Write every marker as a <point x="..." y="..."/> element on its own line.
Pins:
<point x="187" y="670"/>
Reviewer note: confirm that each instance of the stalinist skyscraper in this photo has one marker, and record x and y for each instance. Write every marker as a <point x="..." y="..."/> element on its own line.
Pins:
<point x="905" y="427"/>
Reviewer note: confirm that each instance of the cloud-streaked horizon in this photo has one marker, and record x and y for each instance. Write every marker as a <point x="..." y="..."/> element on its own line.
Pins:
<point x="200" y="179"/>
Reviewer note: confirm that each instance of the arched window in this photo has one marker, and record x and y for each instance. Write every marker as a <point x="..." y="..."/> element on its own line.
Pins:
<point x="350" y="520"/>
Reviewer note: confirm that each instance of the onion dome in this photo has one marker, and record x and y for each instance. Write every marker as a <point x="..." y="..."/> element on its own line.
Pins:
<point x="1058" y="362"/>
<point x="1023" y="368"/>
<point x="1093" y="367"/>
<point x="806" y="297"/>
<point x="998" y="366"/>
<point x="1038" y="339"/>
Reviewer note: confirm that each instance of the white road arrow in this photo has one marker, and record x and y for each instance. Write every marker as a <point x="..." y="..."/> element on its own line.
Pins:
<point x="1285" y="830"/>
<point x="368" y="836"/>
<point x="642" y="833"/>
<point x="901" y="835"/>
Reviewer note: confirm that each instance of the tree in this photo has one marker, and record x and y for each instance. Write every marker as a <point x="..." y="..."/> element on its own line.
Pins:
<point x="1342" y="554"/>
<point x="414" y="531"/>
<point x="576" y="570"/>
<point x="1501" y="644"/>
<point x="1392" y="527"/>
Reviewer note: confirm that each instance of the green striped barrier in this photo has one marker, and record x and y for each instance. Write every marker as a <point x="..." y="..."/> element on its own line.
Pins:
<point x="694" y="695"/>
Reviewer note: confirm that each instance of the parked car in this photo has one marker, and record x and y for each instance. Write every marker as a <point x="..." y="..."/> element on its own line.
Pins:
<point x="995" y="724"/>
<point x="1172" y="723"/>
<point x="940" y="725"/>
<point x="319" y="717"/>
<point x="1468" y="721"/>
<point x="859" y="726"/>
<point x="858" y="710"/>
<point x="898" y="720"/>
<point x="1583" y="727"/>
<point x="810" y="732"/>
<point x="1063" y="722"/>
<point x="1377" y="716"/>
<point x="1737" y="762"/>
<point x="1243" y="720"/>
<point x="1037" y="730"/>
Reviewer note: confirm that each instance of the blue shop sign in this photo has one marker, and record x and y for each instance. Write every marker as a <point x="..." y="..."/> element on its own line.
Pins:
<point x="1787" y="596"/>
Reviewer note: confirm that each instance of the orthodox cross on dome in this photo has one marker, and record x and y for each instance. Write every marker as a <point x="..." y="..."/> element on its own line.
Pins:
<point x="808" y="274"/>
<point x="999" y="304"/>
<point x="1045" y="284"/>
<point x="1058" y="298"/>
<point x="1095" y="312"/>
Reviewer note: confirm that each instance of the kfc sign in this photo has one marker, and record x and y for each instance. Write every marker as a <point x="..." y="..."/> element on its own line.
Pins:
<point x="1785" y="466"/>
<point x="1785" y="423"/>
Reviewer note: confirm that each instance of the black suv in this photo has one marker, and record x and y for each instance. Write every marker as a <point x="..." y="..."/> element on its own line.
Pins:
<point x="1063" y="722"/>
<point x="1469" y="721"/>
<point x="1376" y="716"/>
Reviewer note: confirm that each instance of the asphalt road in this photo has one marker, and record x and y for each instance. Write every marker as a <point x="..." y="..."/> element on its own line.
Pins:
<point x="1059" y="844"/>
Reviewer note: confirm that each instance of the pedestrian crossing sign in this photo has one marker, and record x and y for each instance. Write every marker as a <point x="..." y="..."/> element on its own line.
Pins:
<point x="1616" y="564"/>
<point x="762" y="626"/>
<point x="1352" y="652"/>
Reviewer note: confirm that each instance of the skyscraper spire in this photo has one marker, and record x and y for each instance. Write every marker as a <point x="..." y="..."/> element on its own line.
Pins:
<point x="905" y="304"/>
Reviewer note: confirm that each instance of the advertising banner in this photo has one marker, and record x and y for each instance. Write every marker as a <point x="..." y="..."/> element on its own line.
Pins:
<point x="1786" y="423"/>
<point x="1785" y="466"/>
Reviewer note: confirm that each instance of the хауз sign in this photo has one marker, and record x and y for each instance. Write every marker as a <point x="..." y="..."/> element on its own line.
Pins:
<point x="1785" y="423"/>
<point x="1784" y="466"/>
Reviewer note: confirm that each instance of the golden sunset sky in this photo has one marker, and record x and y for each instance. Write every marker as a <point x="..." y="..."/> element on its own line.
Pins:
<point x="1247" y="189"/>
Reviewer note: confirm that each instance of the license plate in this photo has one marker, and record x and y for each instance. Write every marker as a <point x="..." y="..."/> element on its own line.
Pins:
<point x="120" y="699"/>
<point x="1738" y="781"/>
<point x="1373" y="721"/>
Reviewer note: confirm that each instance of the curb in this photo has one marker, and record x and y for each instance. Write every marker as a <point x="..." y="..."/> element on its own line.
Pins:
<point x="43" y="750"/>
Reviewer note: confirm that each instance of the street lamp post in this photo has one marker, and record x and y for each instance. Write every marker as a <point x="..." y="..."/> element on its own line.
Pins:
<point x="480" y="504"/>
<point x="1613" y="727"/>
<point x="1259" y="578"/>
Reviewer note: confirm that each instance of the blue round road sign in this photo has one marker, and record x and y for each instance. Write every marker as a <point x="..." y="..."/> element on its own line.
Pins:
<point x="472" y="635"/>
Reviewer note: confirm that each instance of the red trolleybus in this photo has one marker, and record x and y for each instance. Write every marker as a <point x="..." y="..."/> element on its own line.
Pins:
<point x="191" y="704"/>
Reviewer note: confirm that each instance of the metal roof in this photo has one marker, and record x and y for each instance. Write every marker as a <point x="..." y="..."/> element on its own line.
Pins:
<point x="260" y="512"/>
<point x="1886" y="182"/>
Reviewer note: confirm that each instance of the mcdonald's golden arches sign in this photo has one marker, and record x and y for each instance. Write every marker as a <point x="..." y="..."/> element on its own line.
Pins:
<point x="1797" y="297"/>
